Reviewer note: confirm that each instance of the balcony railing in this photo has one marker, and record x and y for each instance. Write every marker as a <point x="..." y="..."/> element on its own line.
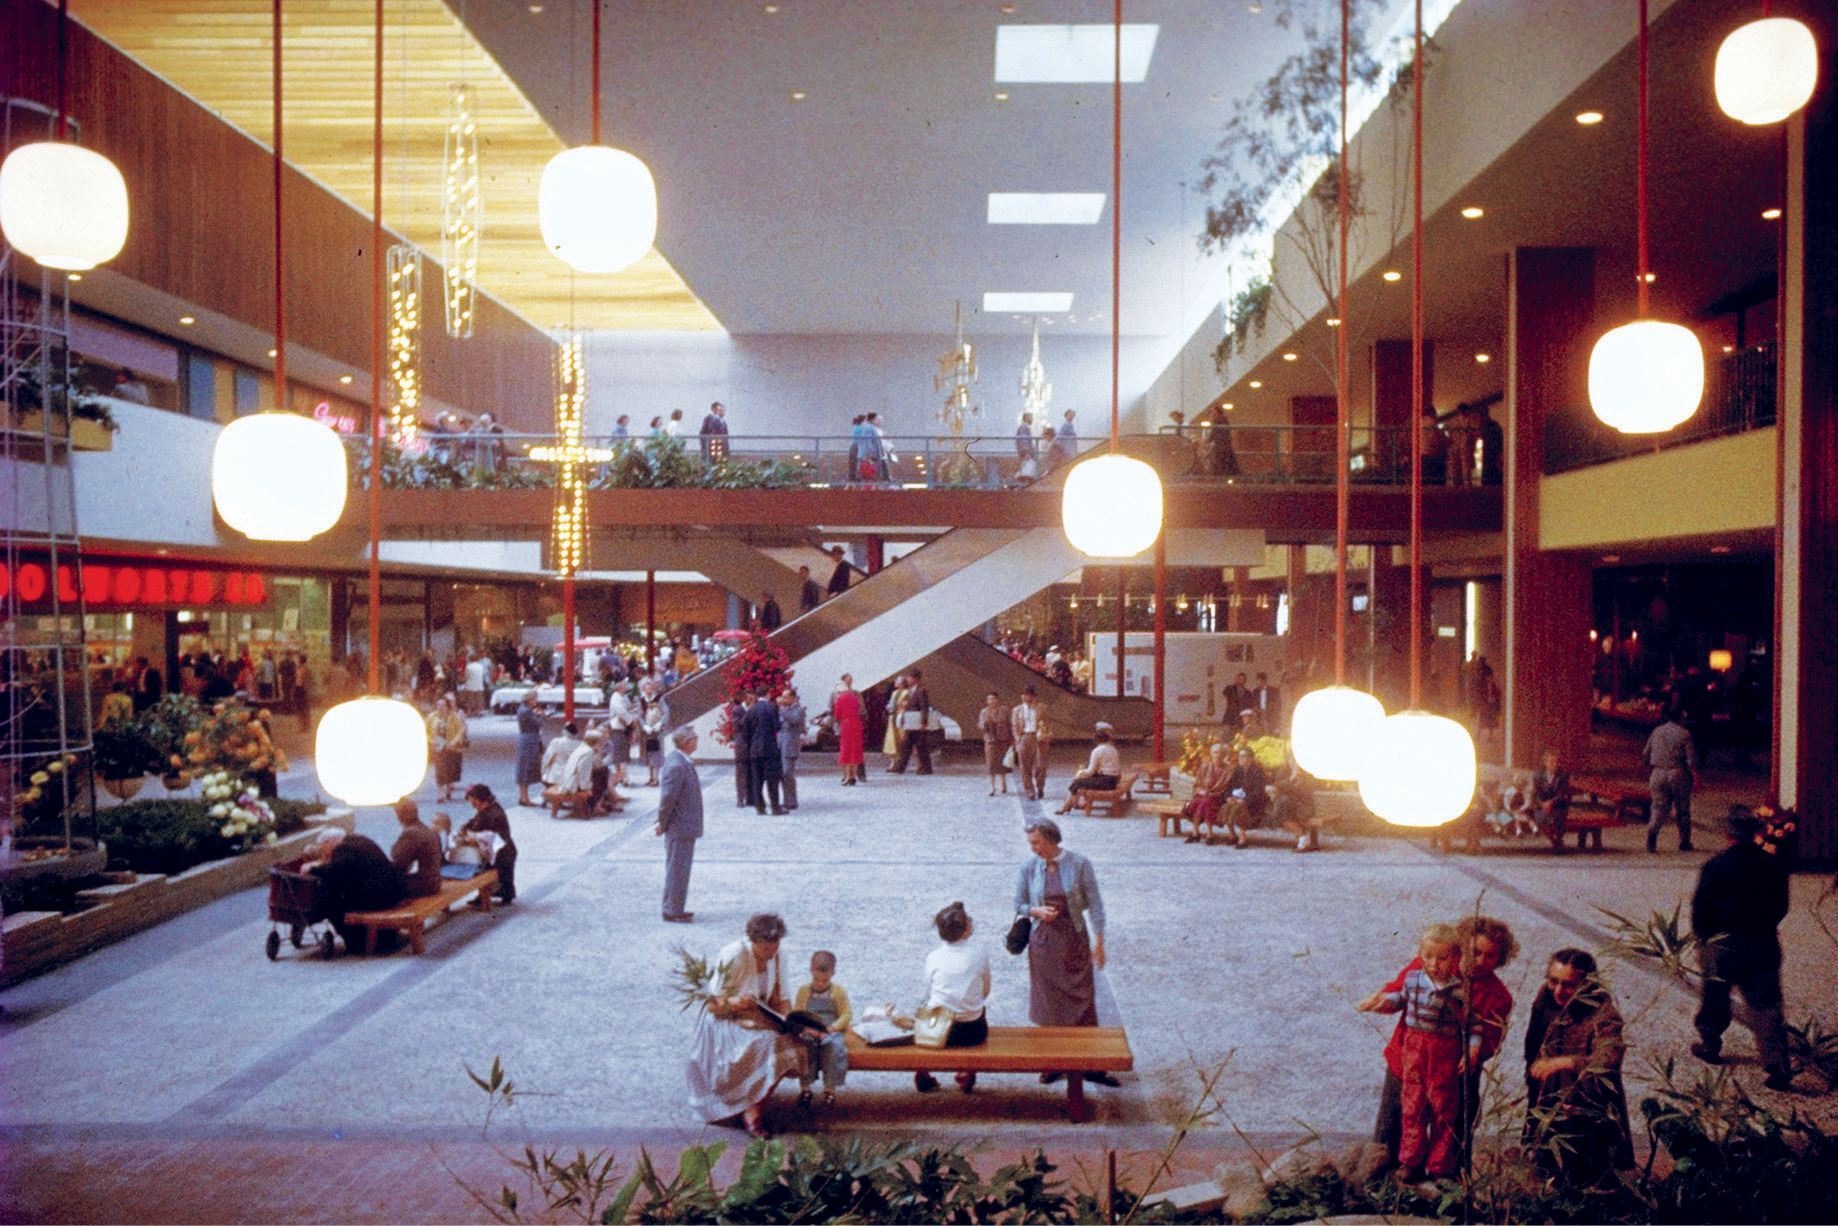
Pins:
<point x="1255" y="455"/>
<point x="1739" y="390"/>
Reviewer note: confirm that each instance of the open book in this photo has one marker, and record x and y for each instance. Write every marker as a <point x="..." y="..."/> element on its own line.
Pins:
<point x="882" y="1032"/>
<point x="797" y="1023"/>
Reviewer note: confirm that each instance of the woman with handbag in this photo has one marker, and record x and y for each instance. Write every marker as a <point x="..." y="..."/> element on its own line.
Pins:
<point x="447" y="740"/>
<point x="956" y="994"/>
<point x="998" y="740"/>
<point x="1058" y="890"/>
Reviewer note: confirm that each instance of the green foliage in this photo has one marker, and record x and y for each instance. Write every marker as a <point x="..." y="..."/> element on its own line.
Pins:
<point x="693" y="980"/>
<point x="1664" y="938"/>
<point x="1250" y="308"/>
<point x="170" y="836"/>
<point x="167" y="723"/>
<point x="1734" y="1160"/>
<point x="1812" y="1046"/>
<point x="732" y="474"/>
<point x="658" y="462"/>
<point x="125" y="751"/>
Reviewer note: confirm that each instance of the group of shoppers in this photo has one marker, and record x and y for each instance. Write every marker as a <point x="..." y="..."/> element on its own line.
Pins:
<point x="738" y="1054"/>
<point x="1015" y="738"/>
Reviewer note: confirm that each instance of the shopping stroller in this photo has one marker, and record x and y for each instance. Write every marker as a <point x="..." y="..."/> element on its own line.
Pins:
<point x="298" y="899"/>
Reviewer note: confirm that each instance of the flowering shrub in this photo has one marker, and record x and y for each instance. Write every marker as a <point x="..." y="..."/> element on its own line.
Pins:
<point x="246" y="818"/>
<point x="234" y="738"/>
<point x="755" y="667"/>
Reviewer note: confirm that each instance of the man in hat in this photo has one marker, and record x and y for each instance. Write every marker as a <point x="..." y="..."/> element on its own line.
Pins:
<point x="1740" y="900"/>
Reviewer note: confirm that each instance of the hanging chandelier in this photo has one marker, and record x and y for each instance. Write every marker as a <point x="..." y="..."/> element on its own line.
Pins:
<point x="404" y="342"/>
<point x="461" y="211"/>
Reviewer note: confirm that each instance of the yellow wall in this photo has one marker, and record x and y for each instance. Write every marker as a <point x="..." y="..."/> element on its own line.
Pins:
<point x="1725" y="485"/>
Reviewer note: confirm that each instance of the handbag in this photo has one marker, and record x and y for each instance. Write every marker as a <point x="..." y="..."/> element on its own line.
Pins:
<point x="1009" y="760"/>
<point x="1018" y="933"/>
<point x="931" y="1024"/>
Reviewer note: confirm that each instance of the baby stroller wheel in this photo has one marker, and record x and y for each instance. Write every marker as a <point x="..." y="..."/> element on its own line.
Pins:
<point x="274" y="945"/>
<point x="299" y="937"/>
<point x="328" y="945"/>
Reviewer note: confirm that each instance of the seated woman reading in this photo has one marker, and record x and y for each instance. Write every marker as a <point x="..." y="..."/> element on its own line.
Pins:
<point x="737" y="1056"/>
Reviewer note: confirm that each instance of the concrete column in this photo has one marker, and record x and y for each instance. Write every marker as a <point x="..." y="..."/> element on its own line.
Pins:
<point x="1545" y="673"/>
<point x="1806" y="552"/>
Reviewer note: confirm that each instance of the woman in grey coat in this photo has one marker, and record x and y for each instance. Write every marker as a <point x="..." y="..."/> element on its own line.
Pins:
<point x="1058" y="890"/>
<point x="791" y="744"/>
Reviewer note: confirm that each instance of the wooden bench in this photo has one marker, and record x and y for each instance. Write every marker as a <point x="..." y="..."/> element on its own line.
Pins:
<point x="1072" y="1050"/>
<point x="1596" y="805"/>
<point x="411" y="915"/>
<point x="1168" y="813"/>
<point x="1630" y="800"/>
<point x="1114" y="800"/>
<point x="1155" y="777"/>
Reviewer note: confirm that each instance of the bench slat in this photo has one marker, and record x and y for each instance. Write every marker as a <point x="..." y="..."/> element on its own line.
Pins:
<point x="411" y="914"/>
<point x="1010" y="1049"/>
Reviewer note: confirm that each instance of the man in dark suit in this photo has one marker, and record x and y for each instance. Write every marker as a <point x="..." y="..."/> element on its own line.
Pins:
<point x="1237" y="697"/>
<point x="809" y="594"/>
<point x="714" y="434"/>
<point x="770" y="618"/>
<point x="839" y="577"/>
<point x="1267" y="701"/>
<point x="762" y="735"/>
<point x="679" y="822"/>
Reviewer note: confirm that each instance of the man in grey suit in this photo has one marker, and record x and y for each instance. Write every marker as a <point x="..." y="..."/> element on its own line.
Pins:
<point x="679" y="822"/>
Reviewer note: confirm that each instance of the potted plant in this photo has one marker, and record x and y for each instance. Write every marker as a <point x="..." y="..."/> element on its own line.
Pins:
<point x="167" y="724"/>
<point x="124" y="754"/>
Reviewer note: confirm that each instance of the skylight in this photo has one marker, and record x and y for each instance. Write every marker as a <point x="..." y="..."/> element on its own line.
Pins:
<point x="1025" y="303"/>
<point x="1045" y="208"/>
<point x="1071" y="55"/>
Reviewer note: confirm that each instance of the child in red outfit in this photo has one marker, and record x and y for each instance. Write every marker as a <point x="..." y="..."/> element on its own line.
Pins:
<point x="1441" y="1041"/>
<point x="1487" y="945"/>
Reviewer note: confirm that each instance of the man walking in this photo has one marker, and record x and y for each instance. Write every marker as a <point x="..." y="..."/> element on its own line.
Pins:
<point x="839" y="577"/>
<point x="1028" y="723"/>
<point x="810" y="595"/>
<point x="1740" y="900"/>
<point x="679" y="822"/>
<point x="764" y="761"/>
<point x="1674" y="759"/>
<point x="714" y="434"/>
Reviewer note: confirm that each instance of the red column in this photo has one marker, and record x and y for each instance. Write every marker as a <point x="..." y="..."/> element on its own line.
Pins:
<point x="877" y="554"/>
<point x="568" y="647"/>
<point x="1546" y="672"/>
<point x="1393" y="415"/>
<point x="1123" y="593"/>
<point x="650" y="618"/>
<point x="1161" y="638"/>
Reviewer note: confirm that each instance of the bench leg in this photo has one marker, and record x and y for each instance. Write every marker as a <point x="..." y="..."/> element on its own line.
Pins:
<point x="370" y="941"/>
<point x="417" y="937"/>
<point x="1075" y="1098"/>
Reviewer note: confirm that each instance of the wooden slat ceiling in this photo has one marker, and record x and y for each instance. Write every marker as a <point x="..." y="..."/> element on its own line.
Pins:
<point x="220" y="53"/>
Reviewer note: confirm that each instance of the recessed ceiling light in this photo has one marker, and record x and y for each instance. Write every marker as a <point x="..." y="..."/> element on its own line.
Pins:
<point x="772" y="8"/>
<point x="536" y="8"/>
<point x="1719" y="548"/>
<point x="1649" y="278"/>
<point x="1001" y="95"/>
<point x="1228" y="406"/>
<point x="1729" y="348"/>
<point x="1483" y="358"/>
<point x="1333" y="323"/>
<point x="1045" y="208"/>
<point x="1257" y="383"/>
<point x="1611" y="558"/>
<point x="1392" y="274"/>
<point x="344" y="378"/>
<point x="1770" y="214"/>
<point x="1044" y="303"/>
<point x="1473" y="211"/>
<point x="1289" y="357"/>
<point x="271" y="353"/>
<point x="1072" y="54"/>
<point x="188" y="320"/>
<point x="798" y="95"/>
<point x="1588" y="118"/>
<point x="1008" y="8"/>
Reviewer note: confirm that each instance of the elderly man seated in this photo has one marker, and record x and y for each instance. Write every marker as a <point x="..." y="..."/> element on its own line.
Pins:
<point x="583" y="785"/>
<point x="358" y="876"/>
<point x="417" y="852"/>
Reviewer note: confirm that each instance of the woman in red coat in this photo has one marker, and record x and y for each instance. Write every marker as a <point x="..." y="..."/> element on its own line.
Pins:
<point x="846" y="710"/>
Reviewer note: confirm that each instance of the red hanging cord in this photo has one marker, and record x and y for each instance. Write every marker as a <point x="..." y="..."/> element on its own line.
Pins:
<point x="1416" y="369"/>
<point x="1643" y="159"/>
<point x="596" y="81"/>
<point x="280" y="262"/>
<point x="376" y="370"/>
<point x="1116" y="217"/>
<point x="63" y="69"/>
<point x="1342" y="493"/>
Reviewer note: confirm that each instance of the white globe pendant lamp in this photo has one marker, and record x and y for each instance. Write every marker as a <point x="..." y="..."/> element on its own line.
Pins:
<point x="371" y="751"/>
<point x="1112" y="506"/>
<point x="1331" y="731"/>
<point x="1766" y="70"/>
<point x="1646" y="376"/>
<point x="279" y="477"/>
<point x="63" y="205"/>
<point x="597" y="207"/>
<point x="1421" y="771"/>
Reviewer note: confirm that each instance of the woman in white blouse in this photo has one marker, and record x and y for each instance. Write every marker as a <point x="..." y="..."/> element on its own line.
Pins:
<point x="1102" y="772"/>
<point x="957" y="978"/>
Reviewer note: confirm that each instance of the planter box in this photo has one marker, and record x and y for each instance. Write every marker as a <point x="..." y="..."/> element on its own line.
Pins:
<point x="36" y="941"/>
<point x="87" y="435"/>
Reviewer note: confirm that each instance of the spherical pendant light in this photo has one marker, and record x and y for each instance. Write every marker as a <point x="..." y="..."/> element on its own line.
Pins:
<point x="1766" y="70"/>
<point x="1331" y="731"/>
<point x="63" y="205"/>
<point x="1112" y="506"/>
<point x="597" y="208"/>
<point x="371" y="751"/>
<point x="1647" y="376"/>
<point x="1421" y="771"/>
<point x="279" y="477"/>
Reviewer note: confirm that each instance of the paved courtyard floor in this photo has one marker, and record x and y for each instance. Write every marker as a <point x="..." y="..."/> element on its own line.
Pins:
<point x="181" y="1076"/>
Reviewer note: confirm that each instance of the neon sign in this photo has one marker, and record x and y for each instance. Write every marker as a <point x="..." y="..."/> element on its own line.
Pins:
<point x="343" y="423"/>
<point x="129" y="585"/>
